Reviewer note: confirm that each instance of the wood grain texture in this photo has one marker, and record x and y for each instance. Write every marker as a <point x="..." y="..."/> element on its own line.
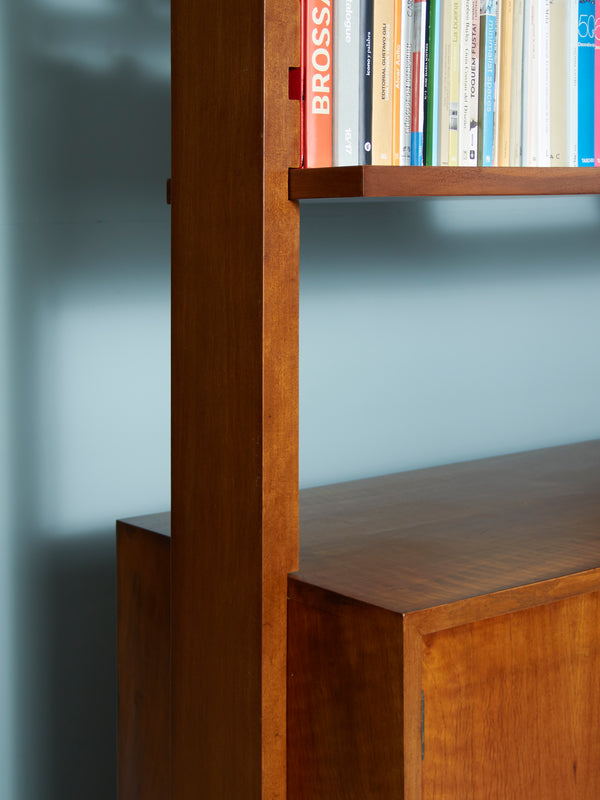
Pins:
<point x="433" y="537"/>
<point x="345" y="698"/>
<point x="469" y="562"/>
<point x="143" y="631"/>
<point x="361" y="650"/>
<point x="280" y="330"/>
<point x="376" y="181"/>
<point x="511" y="706"/>
<point x="234" y="392"/>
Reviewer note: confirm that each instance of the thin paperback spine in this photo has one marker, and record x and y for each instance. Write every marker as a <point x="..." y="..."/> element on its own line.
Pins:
<point x="529" y="157"/>
<point x="543" y="83"/>
<point x="445" y="37"/>
<point x="397" y="89"/>
<point x="468" y="109"/>
<point x="516" y="86"/>
<point x="454" y="84"/>
<point x="407" y="34"/>
<point x="487" y="46"/>
<point x="433" y="84"/>
<point x="365" y="89"/>
<point x="572" y="69"/>
<point x="318" y="88"/>
<point x="474" y="85"/>
<point x="496" y="82"/>
<point x="346" y="75"/>
<point x="558" y="83"/>
<point x="504" y="83"/>
<point x="418" y="83"/>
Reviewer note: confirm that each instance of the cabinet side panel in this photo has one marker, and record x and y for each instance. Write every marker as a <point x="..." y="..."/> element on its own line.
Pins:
<point x="511" y="705"/>
<point x="345" y="698"/>
<point x="143" y="584"/>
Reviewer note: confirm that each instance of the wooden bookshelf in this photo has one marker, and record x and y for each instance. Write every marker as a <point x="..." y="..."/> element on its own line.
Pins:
<point x="462" y="537"/>
<point x="339" y="182"/>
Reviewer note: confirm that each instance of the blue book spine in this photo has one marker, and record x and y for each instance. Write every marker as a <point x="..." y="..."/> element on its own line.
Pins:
<point x="585" y="83"/>
<point x="416" y="148"/>
<point x="487" y="52"/>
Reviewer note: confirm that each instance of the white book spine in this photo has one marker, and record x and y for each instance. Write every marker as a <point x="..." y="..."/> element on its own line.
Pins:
<point x="558" y="83"/>
<point x="406" y="38"/>
<point x="571" y="33"/>
<point x="444" y="81"/>
<point x="346" y="72"/>
<point x="464" y="137"/>
<point x="474" y="83"/>
<point x="529" y="121"/>
<point x="516" y="86"/>
<point x="543" y="83"/>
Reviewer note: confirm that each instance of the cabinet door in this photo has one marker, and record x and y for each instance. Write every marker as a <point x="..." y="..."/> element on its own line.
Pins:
<point x="512" y="706"/>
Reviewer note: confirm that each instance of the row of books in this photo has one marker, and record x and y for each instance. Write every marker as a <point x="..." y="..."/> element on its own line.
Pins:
<point x="451" y="83"/>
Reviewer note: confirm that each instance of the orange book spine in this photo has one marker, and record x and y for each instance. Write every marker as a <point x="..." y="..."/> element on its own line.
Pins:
<point x="318" y="96"/>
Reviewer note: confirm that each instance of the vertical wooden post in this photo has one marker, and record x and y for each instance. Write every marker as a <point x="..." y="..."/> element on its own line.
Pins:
<point x="234" y="393"/>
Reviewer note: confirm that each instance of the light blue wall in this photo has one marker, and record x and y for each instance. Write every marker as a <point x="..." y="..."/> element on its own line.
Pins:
<point x="432" y="331"/>
<point x="7" y="530"/>
<point x="84" y="364"/>
<point x="435" y="331"/>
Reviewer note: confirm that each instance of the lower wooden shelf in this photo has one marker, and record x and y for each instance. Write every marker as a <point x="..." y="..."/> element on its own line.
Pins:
<point x="443" y="636"/>
<point x="378" y="181"/>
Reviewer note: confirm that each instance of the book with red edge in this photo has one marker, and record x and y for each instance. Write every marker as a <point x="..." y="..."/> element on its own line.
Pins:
<point x="318" y="83"/>
<point x="417" y="127"/>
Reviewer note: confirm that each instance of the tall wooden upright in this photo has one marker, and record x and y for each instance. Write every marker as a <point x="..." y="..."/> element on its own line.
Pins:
<point x="234" y="392"/>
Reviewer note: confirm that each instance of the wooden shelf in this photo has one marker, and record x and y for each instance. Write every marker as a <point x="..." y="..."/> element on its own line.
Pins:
<point x="340" y="182"/>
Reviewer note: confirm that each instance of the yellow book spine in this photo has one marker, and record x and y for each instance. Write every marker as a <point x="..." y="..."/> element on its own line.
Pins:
<point x="383" y="49"/>
<point x="504" y="82"/>
<point x="454" y="84"/>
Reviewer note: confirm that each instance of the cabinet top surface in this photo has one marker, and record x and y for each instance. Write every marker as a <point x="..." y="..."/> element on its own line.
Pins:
<point x="431" y="537"/>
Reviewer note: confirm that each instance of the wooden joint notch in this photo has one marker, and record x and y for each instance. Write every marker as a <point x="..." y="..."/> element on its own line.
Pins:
<point x="295" y="84"/>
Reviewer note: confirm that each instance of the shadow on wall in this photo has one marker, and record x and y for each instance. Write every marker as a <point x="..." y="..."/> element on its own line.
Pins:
<point x="75" y="681"/>
<point x="87" y="121"/>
